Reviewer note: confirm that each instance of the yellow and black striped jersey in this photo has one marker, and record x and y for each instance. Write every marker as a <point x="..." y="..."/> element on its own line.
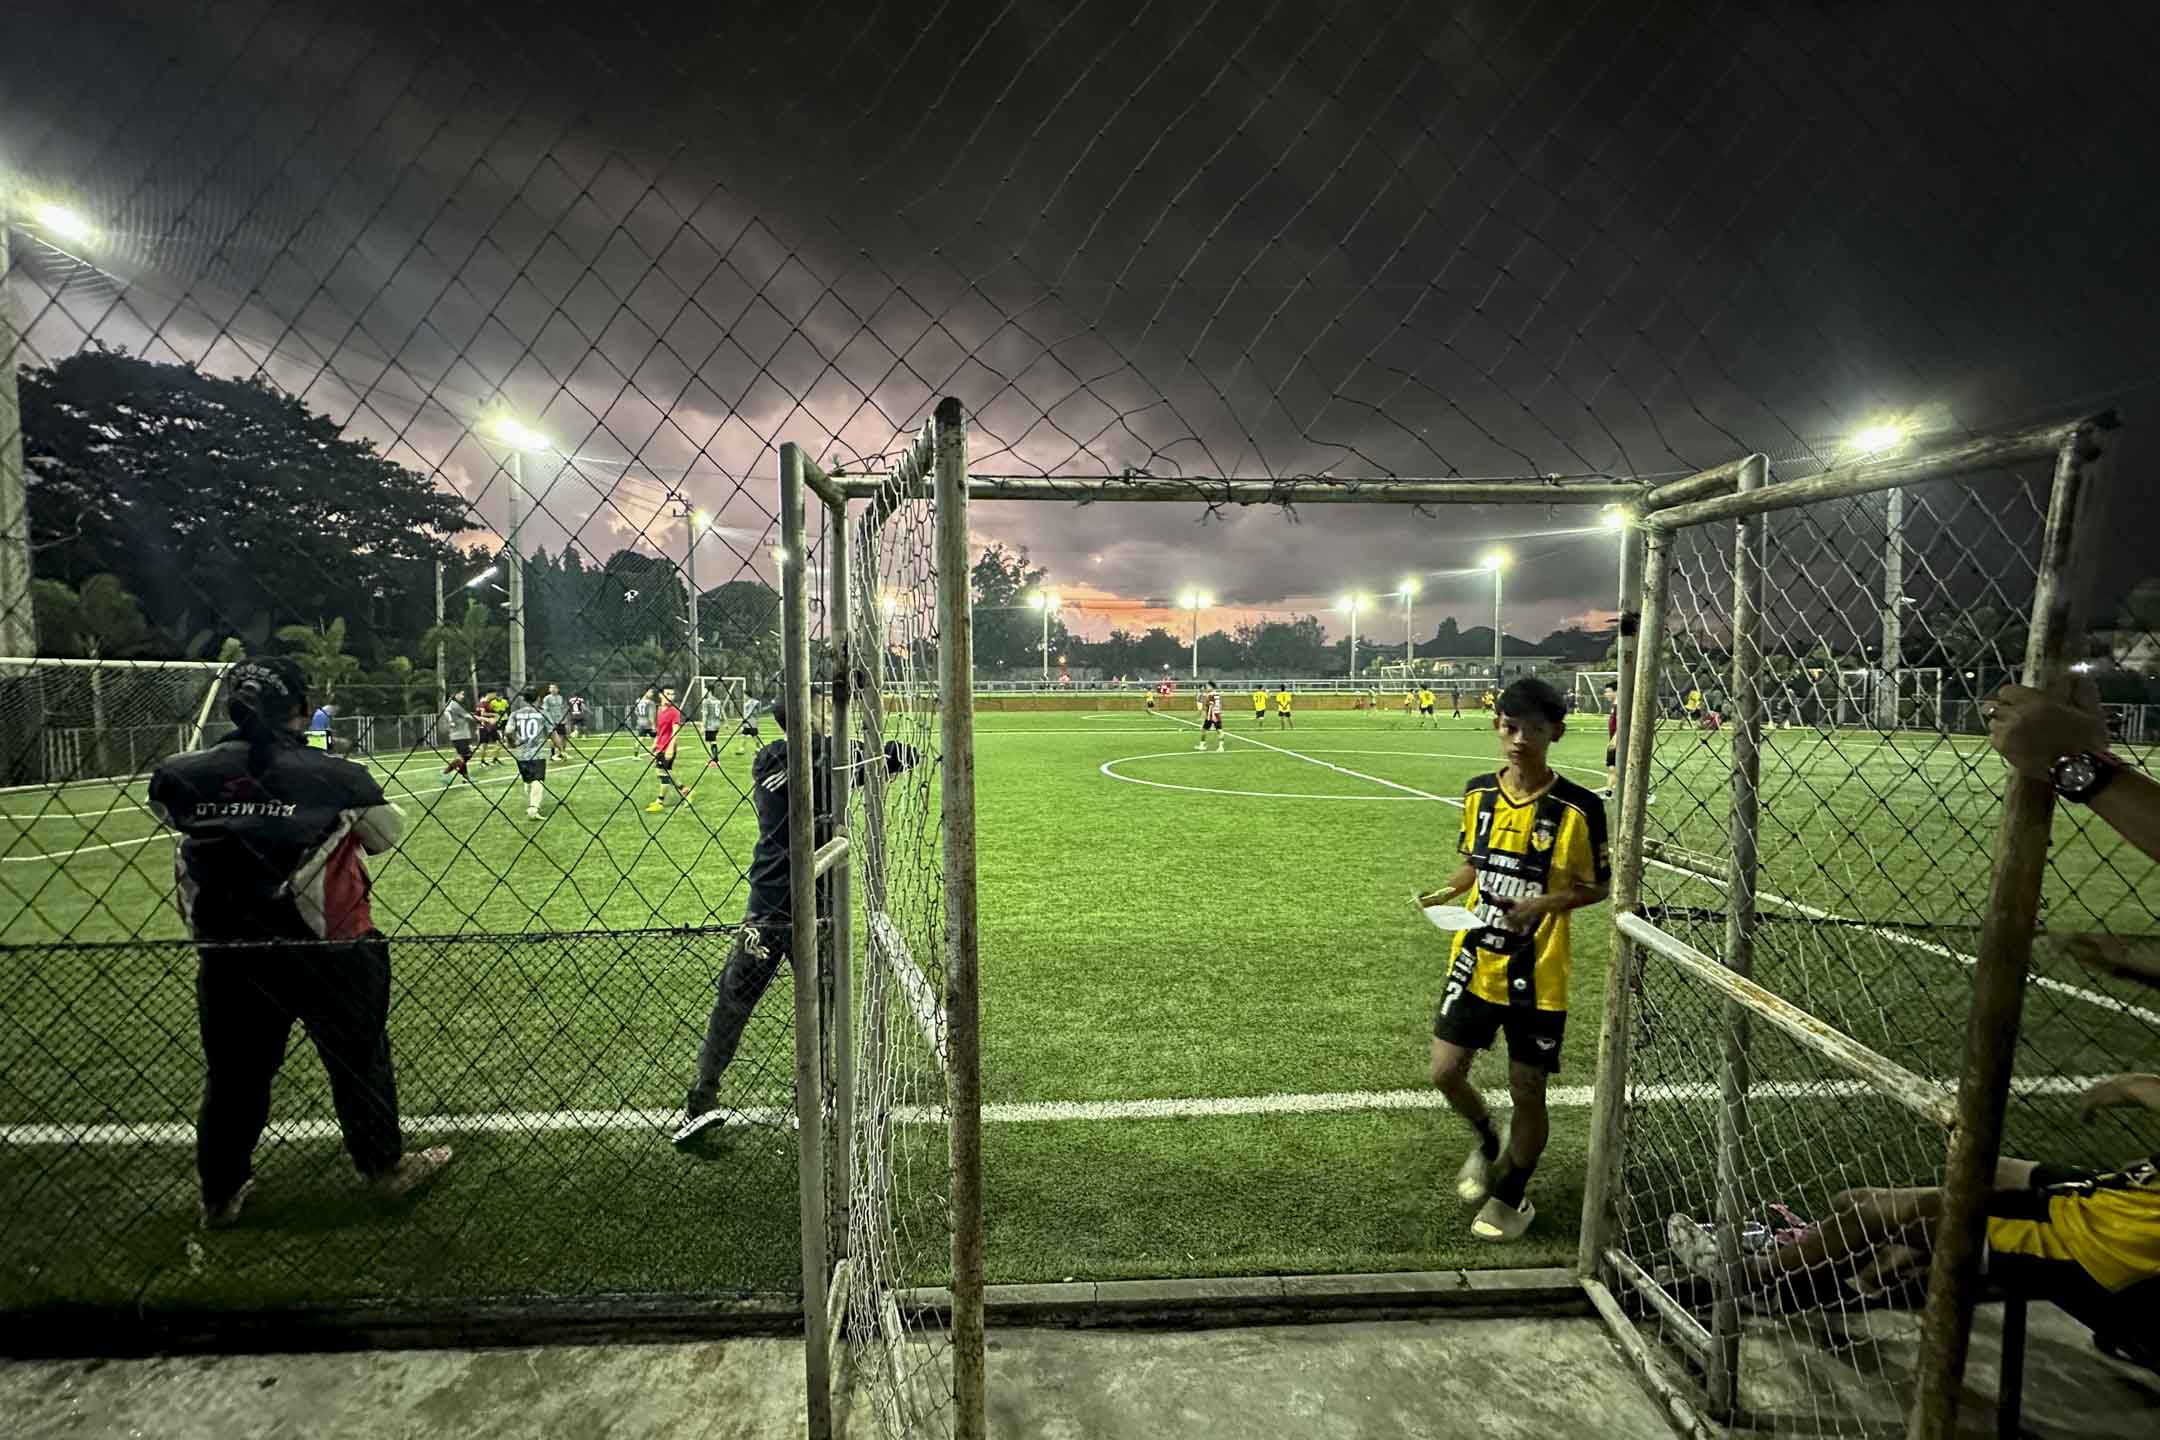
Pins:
<point x="2109" y="1224"/>
<point x="1550" y="840"/>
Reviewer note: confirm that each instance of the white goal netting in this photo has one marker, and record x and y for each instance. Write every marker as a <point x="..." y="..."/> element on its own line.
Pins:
<point x="898" y="1347"/>
<point x="63" y="722"/>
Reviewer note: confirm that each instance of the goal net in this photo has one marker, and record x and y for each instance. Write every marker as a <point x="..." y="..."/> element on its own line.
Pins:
<point x="1589" y="696"/>
<point x="63" y="722"/>
<point x="904" y="1165"/>
<point x="1802" y="913"/>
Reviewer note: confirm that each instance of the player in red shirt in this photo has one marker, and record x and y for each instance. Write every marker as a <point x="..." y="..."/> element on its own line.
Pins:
<point x="665" y="726"/>
<point x="1210" y="717"/>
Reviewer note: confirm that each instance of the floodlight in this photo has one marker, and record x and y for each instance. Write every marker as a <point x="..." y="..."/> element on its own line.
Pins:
<point x="1204" y="599"/>
<point x="1410" y="585"/>
<point x="1494" y="560"/>
<point x="64" y="223"/>
<point x="1882" y="435"/>
<point x="482" y="578"/>
<point x="1614" y="518"/>
<point x="516" y="434"/>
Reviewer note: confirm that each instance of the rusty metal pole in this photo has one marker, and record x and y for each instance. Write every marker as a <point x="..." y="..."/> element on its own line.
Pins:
<point x="2006" y="932"/>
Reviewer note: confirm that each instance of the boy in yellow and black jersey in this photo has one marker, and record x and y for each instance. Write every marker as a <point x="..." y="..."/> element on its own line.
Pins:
<point x="1533" y="850"/>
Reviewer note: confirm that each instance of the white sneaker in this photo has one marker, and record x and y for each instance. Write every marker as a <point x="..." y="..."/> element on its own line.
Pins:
<point x="413" y="1170"/>
<point x="1500" y="1222"/>
<point x="1475" y="1178"/>
<point x="1218" y="749"/>
<point x="687" y="1127"/>
<point x="1693" y="1244"/>
<point x="1201" y="746"/>
<point x="532" y="814"/>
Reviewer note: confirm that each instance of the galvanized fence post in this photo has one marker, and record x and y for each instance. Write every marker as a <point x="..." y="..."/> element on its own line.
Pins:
<point x="963" y="1017"/>
<point x="802" y="895"/>
<point x="2006" y="933"/>
<point x="1743" y="837"/>
<point x="1609" y="1107"/>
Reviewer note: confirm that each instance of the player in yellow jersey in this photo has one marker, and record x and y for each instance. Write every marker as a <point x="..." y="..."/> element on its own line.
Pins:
<point x="1488" y="701"/>
<point x="1533" y="850"/>
<point x="1693" y="707"/>
<point x="1282" y="710"/>
<point x="2079" y="1238"/>
<point x="1426" y="700"/>
<point x="1259" y="704"/>
<point x="1409" y="703"/>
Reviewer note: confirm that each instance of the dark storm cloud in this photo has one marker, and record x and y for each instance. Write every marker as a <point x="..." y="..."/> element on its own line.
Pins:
<point x="1267" y="239"/>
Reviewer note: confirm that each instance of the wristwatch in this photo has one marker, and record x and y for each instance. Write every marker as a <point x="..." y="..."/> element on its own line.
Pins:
<point x="2081" y="776"/>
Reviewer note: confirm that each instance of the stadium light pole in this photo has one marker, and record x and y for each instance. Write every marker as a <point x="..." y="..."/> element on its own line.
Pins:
<point x="1046" y="601"/>
<point x="1353" y="604"/>
<point x="1881" y="438"/>
<point x="1196" y="601"/>
<point x="48" y="223"/>
<point x="696" y="522"/>
<point x="517" y="438"/>
<point x="1496" y="561"/>
<point x="1409" y="624"/>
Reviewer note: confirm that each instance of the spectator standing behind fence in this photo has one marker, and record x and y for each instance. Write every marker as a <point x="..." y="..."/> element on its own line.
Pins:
<point x="273" y="889"/>
<point x="766" y="937"/>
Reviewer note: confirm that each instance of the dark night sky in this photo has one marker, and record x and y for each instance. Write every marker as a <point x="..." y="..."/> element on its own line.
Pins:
<point x="1253" y="239"/>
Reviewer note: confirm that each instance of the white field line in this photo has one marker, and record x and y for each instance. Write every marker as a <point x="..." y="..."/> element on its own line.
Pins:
<point x="1023" y="1112"/>
<point x="1798" y="907"/>
<point x="889" y="945"/>
<point x="431" y="798"/>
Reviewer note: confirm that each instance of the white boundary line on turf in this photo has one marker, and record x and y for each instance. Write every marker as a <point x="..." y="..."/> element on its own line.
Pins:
<point x="1022" y="1112"/>
<point x="59" y="855"/>
<point x="1895" y="937"/>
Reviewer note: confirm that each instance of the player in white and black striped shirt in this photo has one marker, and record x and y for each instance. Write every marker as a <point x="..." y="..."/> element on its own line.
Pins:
<point x="1210" y="717"/>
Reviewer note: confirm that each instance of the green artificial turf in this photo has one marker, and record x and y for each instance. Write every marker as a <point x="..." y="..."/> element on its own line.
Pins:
<point x="1158" y="924"/>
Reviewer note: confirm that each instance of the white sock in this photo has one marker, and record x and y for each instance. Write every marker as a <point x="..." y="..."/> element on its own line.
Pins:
<point x="533" y="792"/>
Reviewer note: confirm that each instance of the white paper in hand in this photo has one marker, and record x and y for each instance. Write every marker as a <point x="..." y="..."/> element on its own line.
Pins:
<point x="1451" y="917"/>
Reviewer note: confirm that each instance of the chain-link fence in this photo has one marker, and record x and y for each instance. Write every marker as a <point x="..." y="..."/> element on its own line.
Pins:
<point x="1826" y="956"/>
<point x="449" y="354"/>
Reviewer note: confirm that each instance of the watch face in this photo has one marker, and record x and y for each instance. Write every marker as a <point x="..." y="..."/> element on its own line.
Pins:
<point x="2078" y="774"/>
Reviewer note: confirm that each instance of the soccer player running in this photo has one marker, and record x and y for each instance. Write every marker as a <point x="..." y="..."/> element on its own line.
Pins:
<point x="529" y="734"/>
<point x="318" y="730"/>
<point x="577" y="715"/>
<point x="766" y="937"/>
<point x="556" y="711"/>
<point x="667" y="722"/>
<point x="489" y="732"/>
<point x="1210" y="717"/>
<point x="1454" y="704"/>
<point x="1533" y="850"/>
<point x="646" y="715"/>
<point x="1282" y="709"/>
<point x="274" y="891"/>
<point x="1259" y="704"/>
<point x="1426" y="703"/>
<point x="458" y="729"/>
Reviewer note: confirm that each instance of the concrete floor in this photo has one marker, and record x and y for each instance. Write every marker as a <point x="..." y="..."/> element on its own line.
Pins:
<point x="1492" y="1379"/>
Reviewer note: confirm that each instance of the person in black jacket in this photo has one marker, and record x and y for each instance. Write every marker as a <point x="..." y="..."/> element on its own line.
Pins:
<point x="272" y="887"/>
<point x="766" y="938"/>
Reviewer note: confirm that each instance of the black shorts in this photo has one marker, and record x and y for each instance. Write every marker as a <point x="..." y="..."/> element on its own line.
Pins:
<point x="1533" y="1035"/>
<point x="1213" y="722"/>
<point x="562" y="728"/>
<point x="646" y="732"/>
<point x="1612" y="756"/>
<point x="531" y="770"/>
<point x="1424" y="709"/>
<point x="664" y="763"/>
<point x="487" y="734"/>
<point x="463" y="748"/>
<point x="712" y="734"/>
<point x="749" y="728"/>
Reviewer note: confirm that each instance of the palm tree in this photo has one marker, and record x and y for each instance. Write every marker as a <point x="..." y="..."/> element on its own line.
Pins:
<point x="465" y="642"/>
<point x="320" y="651"/>
<point x="98" y="620"/>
